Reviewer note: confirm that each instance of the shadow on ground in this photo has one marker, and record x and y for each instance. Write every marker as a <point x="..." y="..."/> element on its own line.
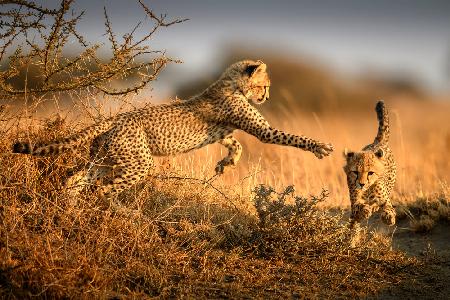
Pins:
<point x="433" y="249"/>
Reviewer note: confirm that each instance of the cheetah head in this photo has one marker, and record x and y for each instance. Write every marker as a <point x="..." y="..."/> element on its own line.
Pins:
<point x="363" y="168"/>
<point x="251" y="79"/>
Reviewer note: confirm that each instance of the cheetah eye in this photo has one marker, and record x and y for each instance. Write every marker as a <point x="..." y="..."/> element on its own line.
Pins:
<point x="370" y="173"/>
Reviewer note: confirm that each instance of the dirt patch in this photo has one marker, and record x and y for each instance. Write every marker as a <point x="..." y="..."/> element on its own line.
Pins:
<point x="433" y="248"/>
<point x="437" y="241"/>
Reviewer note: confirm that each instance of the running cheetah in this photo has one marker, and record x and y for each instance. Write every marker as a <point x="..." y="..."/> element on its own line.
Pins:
<point x="371" y="175"/>
<point x="121" y="148"/>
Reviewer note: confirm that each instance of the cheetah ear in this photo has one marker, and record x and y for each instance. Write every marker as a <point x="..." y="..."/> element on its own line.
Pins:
<point x="379" y="153"/>
<point x="250" y="70"/>
<point x="348" y="154"/>
<point x="253" y="69"/>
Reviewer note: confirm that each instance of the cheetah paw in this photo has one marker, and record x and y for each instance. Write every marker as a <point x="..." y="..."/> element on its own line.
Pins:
<point x="322" y="150"/>
<point x="220" y="167"/>
<point x="388" y="217"/>
<point x="362" y="211"/>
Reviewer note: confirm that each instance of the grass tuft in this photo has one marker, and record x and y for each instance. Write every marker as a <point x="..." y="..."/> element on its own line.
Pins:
<point x="426" y="212"/>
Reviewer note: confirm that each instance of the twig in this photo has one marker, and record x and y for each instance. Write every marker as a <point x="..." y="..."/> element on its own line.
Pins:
<point x="51" y="29"/>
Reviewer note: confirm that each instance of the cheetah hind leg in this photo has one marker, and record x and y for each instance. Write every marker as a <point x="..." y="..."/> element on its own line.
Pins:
<point x="88" y="175"/>
<point x="234" y="154"/>
<point x="83" y="178"/>
<point x="74" y="185"/>
<point x="123" y="177"/>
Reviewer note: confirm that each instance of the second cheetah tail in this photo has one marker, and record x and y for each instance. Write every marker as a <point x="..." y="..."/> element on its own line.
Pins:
<point x="383" y="123"/>
<point x="69" y="143"/>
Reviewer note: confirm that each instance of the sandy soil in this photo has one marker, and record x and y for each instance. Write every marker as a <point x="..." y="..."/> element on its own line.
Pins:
<point x="433" y="248"/>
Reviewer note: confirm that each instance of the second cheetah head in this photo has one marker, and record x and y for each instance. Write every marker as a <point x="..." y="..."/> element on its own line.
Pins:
<point x="250" y="78"/>
<point x="363" y="168"/>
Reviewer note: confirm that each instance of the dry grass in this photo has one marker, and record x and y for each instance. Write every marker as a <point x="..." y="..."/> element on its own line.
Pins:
<point x="426" y="212"/>
<point x="192" y="239"/>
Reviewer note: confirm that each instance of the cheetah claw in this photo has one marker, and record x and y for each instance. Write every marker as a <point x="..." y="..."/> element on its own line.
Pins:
<point x="323" y="149"/>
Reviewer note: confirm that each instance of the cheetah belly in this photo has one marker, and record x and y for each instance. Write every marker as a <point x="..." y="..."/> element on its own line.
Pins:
<point x="169" y="140"/>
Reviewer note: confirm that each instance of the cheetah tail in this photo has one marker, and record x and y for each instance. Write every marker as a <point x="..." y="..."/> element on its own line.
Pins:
<point x="70" y="143"/>
<point x="383" y="123"/>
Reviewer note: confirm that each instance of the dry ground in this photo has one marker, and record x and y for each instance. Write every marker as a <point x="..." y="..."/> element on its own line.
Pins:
<point x="432" y="248"/>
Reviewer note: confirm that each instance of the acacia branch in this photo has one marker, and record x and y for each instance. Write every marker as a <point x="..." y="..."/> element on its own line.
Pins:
<point x="31" y="5"/>
<point x="109" y="31"/>
<point x="45" y="33"/>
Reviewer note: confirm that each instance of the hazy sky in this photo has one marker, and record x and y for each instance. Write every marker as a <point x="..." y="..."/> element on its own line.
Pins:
<point x="392" y="36"/>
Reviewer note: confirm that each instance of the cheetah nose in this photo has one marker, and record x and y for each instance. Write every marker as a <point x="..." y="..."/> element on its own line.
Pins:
<point x="361" y="184"/>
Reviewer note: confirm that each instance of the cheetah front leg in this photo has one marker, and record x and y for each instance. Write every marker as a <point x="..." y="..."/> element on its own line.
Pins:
<point x="274" y="136"/>
<point x="252" y="122"/>
<point x="360" y="209"/>
<point x="388" y="214"/>
<point x="234" y="154"/>
<point x="381" y="196"/>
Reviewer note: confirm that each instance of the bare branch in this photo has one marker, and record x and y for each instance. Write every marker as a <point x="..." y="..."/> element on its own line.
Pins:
<point x="31" y="5"/>
<point x="161" y="19"/>
<point x="40" y="35"/>
<point x="109" y="31"/>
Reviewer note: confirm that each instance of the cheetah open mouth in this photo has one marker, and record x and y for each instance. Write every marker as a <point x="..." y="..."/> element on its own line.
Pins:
<point x="265" y="96"/>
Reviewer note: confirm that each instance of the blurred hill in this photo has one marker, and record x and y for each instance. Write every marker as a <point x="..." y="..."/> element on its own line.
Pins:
<point x="296" y="83"/>
<point x="305" y="84"/>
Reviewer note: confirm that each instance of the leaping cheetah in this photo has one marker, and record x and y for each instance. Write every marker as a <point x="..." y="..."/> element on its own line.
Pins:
<point x="122" y="147"/>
